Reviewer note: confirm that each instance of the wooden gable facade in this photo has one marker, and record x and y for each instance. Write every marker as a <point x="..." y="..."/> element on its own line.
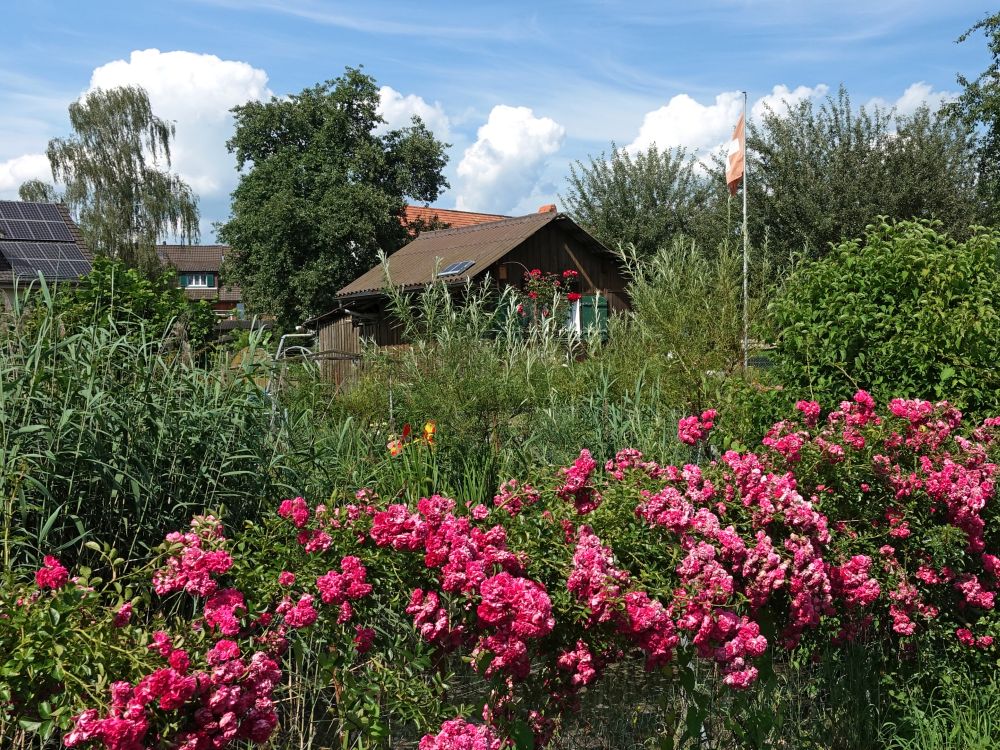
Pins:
<point x="501" y="251"/>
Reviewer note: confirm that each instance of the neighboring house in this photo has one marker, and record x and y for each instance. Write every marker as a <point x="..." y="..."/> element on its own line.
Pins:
<point x="504" y="249"/>
<point x="39" y="238"/>
<point x="430" y="217"/>
<point x="199" y="267"/>
<point x="199" y="275"/>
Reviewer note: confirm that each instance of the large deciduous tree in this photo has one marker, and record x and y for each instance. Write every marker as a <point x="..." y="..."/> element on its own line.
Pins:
<point x="645" y="199"/>
<point x="322" y="193"/>
<point x="115" y="169"/>
<point x="978" y="107"/>
<point x="820" y="173"/>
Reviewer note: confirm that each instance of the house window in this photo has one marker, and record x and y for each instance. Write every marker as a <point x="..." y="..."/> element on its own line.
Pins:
<point x="198" y="280"/>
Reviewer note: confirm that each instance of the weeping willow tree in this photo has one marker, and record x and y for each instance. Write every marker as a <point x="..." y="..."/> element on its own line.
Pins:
<point x="115" y="169"/>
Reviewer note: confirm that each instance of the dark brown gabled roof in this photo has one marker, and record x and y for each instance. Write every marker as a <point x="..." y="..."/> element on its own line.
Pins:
<point x="414" y="264"/>
<point x="193" y="258"/>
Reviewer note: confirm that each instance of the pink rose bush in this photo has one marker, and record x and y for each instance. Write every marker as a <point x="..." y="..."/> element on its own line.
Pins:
<point x="692" y="430"/>
<point x="52" y="575"/>
<point x="854" y="527"/>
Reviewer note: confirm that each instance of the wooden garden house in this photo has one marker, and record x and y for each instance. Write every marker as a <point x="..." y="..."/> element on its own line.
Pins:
<point x="501" y="249"/>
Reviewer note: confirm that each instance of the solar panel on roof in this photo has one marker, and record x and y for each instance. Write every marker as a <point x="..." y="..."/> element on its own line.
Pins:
<point x="73" y="269"/>
<point x="53" y="260"/>
<point x="455" y="268"/>
<point x="19" y="210"/>
<point x="49" y="211"/>
<point x="10" y="210"/>
<point x="24" y="229"/>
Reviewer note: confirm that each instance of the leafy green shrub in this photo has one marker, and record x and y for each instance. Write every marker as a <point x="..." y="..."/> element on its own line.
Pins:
<point x="63" y="647"/>
<point x="906" y="311"/>
<point x="748" y="407"/>
<point x="685" y="330"/>
<point x="112" y="291"/>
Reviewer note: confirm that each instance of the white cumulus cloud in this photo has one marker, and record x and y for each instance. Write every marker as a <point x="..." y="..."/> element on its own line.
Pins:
<point x="196" y="92"/>
<point x="782" y="98"/>
<point x="398" y="110"/>
<point x="916" y="95"/>
<point x="686" y="122"/>
<point x="507" y="159"/>
<point x="14" y="172"/>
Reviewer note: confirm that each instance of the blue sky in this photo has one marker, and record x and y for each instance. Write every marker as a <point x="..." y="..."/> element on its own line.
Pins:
<point x="520" y="89"/>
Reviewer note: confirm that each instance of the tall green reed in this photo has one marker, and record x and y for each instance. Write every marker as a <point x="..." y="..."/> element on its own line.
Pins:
<point x="111" y="432"/>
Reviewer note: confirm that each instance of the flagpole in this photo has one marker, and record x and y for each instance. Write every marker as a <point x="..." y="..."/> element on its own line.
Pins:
<point x="746" y="251"/>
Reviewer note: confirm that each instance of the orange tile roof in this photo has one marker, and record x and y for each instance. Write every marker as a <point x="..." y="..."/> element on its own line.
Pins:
<point x="454" y="219"/>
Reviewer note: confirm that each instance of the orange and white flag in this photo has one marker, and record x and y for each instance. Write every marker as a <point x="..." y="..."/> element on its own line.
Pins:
<point x="736" y="156"/>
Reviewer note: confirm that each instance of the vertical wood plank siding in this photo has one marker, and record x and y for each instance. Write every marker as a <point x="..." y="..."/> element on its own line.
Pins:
<point x="339" y="347"/>
<point x="551" y="249"/>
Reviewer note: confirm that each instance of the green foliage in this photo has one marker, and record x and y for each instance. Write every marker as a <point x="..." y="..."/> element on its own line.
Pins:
<point x="962" y="714"/>
<point x="748" y="407"/>
<point x="686" y="324"/>
<point x="36" y="191"/>
<point x="818" y="174"/>
<point x="470" y="364"/>
<point x="108" y="434"/>
<point x="59" y="651"/>
<point x="978" y="108"/>
<point x="645" y="200"/>
<point x="322" y="194"/>
<point x="907" y="311"/>
<point x="113" y="182"/>
<point x="113" y="291"/>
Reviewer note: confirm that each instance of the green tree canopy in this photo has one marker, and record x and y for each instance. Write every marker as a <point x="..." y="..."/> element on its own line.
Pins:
<point x="819" y="173"/>
<point x="322" y="194"/>
<point x="906" y="311"/>
<point x="115" y="171"/>
<point x="39" y="191"/>
<point x="978" y="107"/>
<point x="646" y="199"/>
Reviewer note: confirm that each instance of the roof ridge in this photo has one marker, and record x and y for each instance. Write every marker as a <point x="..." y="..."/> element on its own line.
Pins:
<point x="214" y="244"/>
<point x="38" y="203"/>
<point x="457" y="211"/>
<point x="486" y="225"/>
